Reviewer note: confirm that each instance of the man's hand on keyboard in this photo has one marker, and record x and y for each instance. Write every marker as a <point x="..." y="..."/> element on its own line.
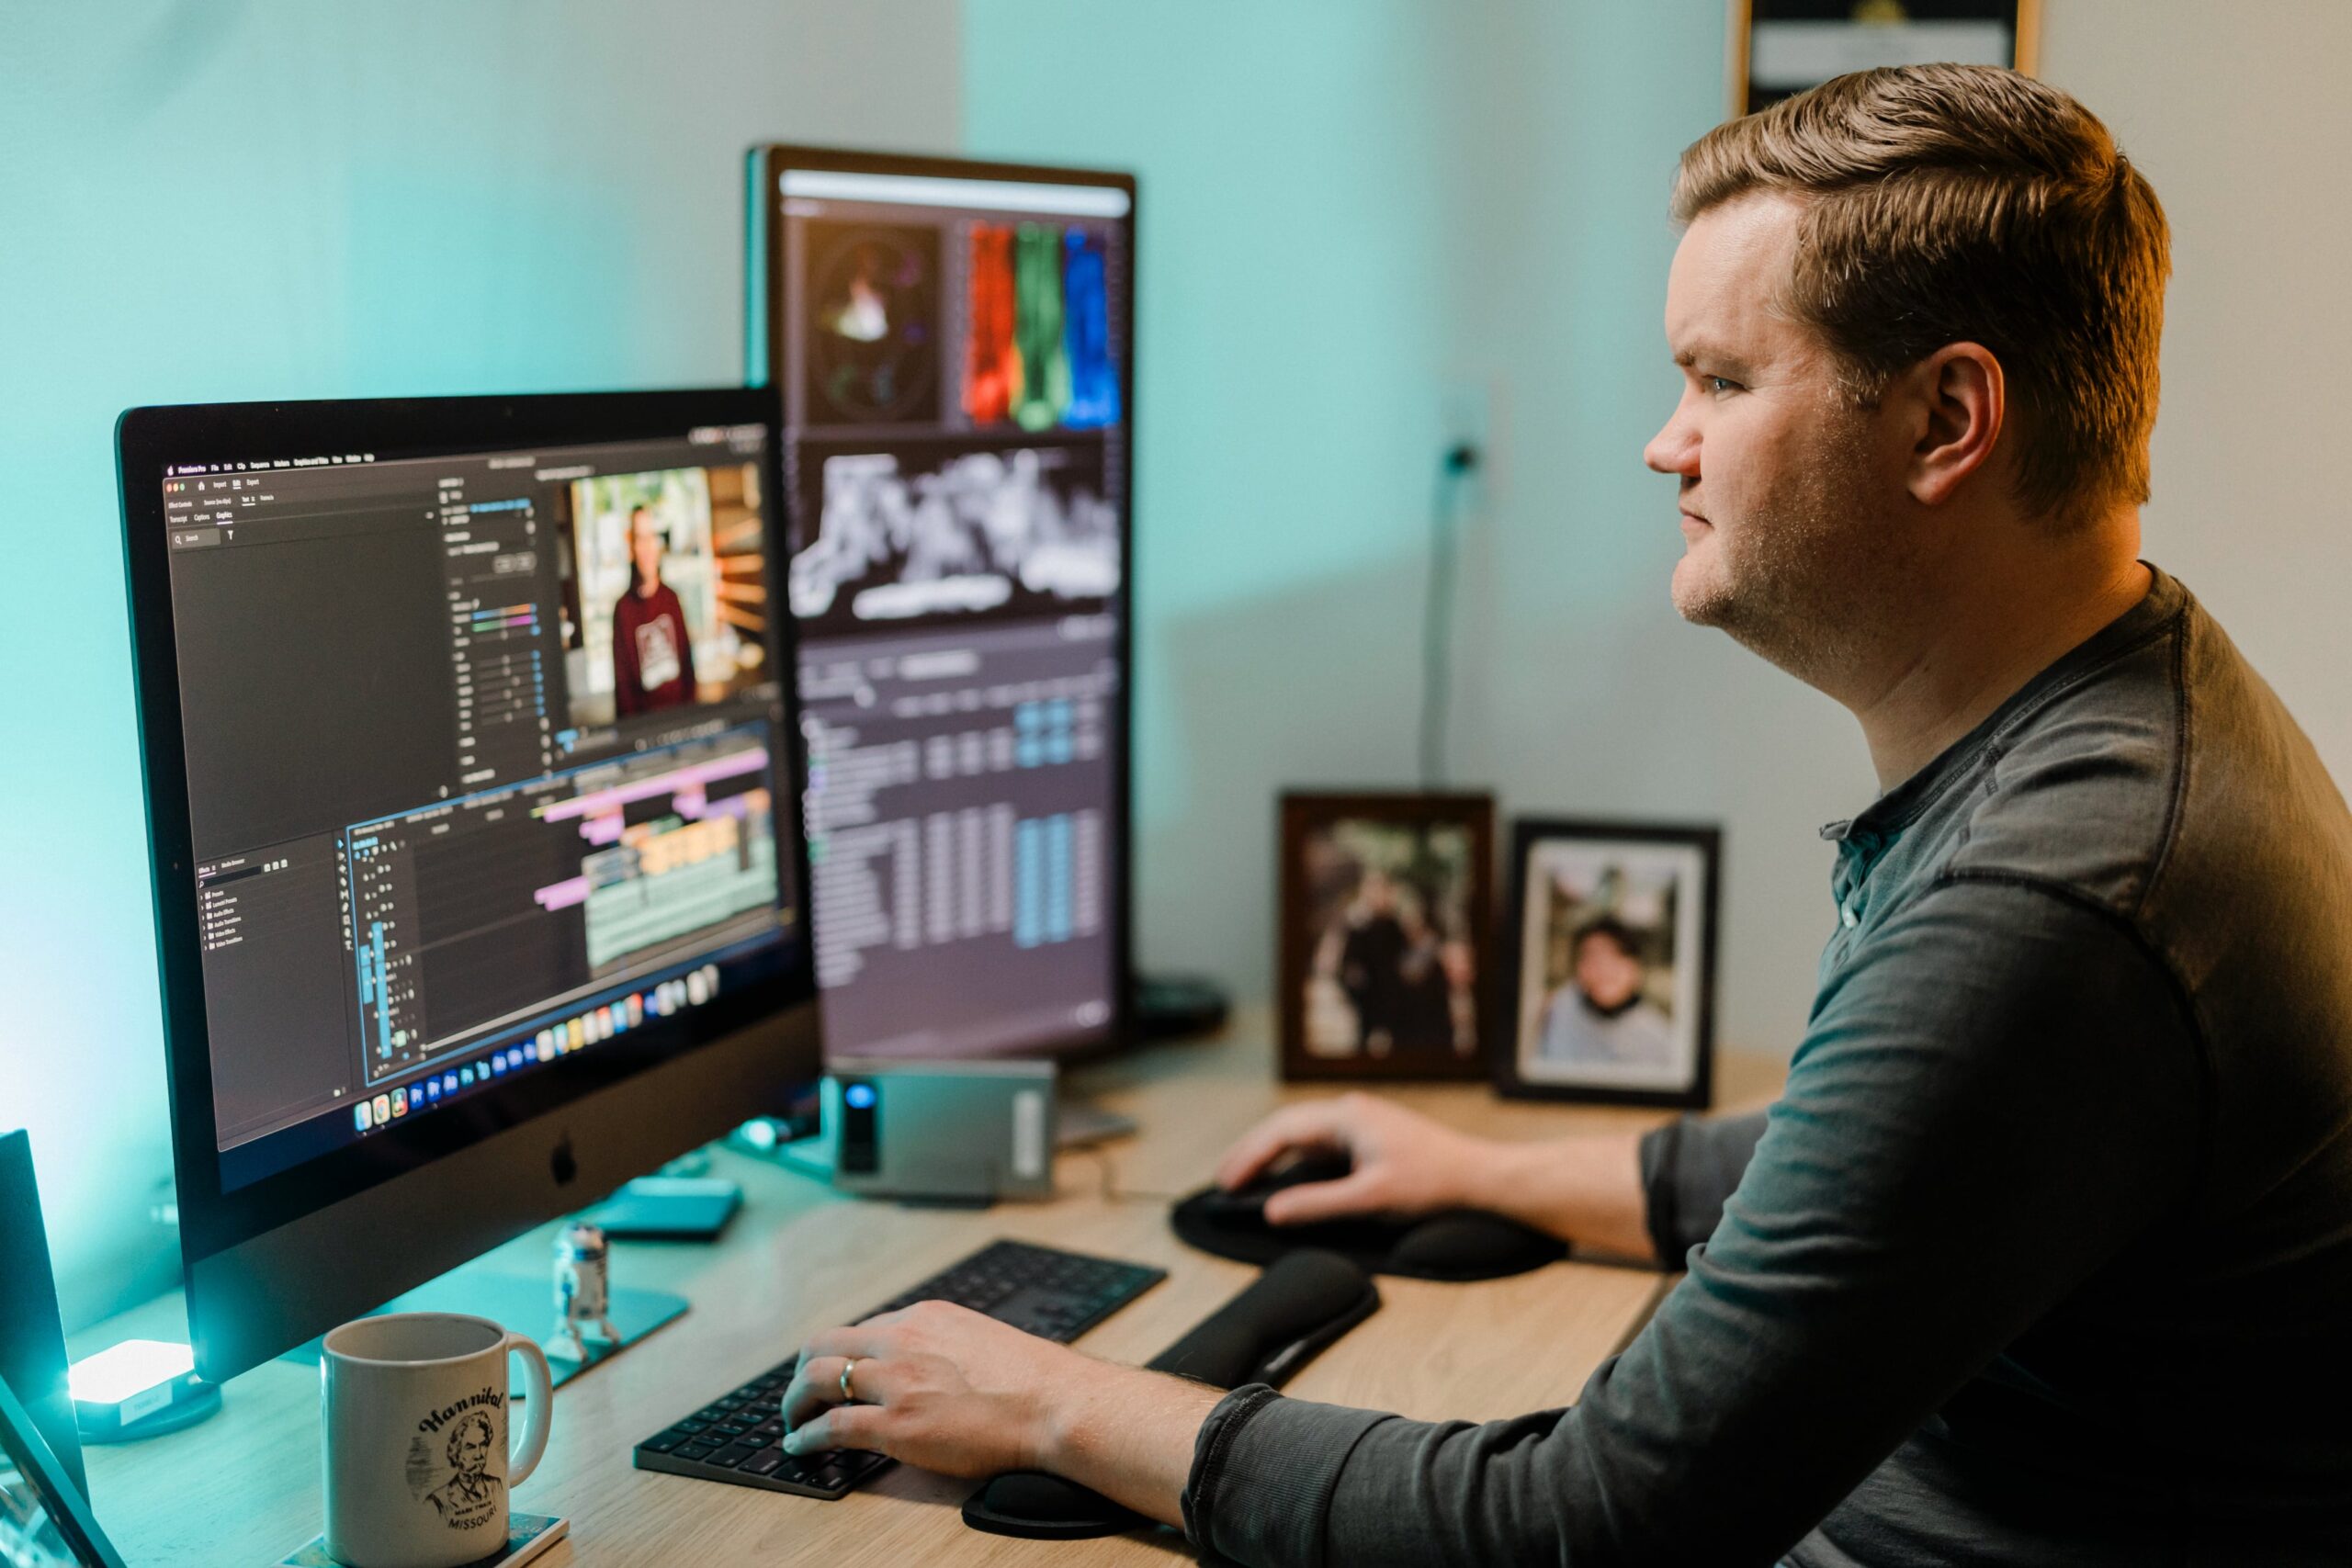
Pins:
<point x="947" y="1389"/>
<point x="939" y="1386"/>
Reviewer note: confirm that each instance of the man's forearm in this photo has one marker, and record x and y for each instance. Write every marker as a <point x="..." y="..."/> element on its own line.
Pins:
<point x="1586" y="1190"/>
<point x="1127" y="1434"/>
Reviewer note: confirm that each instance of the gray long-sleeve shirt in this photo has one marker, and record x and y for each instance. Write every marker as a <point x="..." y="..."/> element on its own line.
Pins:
<point x="2045" y="1253"/>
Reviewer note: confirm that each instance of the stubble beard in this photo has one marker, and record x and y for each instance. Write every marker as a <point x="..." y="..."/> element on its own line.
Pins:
<point x="1808" y="581"/>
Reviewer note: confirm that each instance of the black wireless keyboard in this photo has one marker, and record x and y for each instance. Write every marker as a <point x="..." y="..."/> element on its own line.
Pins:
<point x="737" y="1437"/>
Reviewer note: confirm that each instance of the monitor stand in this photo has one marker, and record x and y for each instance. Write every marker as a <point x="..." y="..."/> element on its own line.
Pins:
<point x="526" y="1306"/>
<point x="1080" y="1123"/>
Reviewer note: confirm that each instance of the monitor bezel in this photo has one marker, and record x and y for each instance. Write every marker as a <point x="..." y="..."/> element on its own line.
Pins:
<point x="213" y="1221"/>
<point x="763" y="355"/>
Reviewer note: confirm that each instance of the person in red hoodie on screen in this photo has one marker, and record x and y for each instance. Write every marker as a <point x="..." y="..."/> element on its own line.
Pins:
<point x="653" y="659"/>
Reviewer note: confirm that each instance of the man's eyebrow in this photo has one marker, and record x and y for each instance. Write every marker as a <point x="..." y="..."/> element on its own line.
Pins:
<point x="1689" y="357"/>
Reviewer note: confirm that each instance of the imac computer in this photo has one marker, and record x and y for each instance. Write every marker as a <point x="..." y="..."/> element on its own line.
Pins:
<point x="478" y="874"/>
<point x="951" y="345"/>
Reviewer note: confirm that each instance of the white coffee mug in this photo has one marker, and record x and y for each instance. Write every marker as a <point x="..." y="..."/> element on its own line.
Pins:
<point x="416" y="1426"/>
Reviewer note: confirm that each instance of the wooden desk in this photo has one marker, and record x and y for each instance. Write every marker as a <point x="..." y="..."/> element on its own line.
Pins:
<point x="242" y="1489"/>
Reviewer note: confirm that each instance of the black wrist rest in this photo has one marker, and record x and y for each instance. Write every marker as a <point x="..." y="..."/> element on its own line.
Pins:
<point x="1302" y="1303"/>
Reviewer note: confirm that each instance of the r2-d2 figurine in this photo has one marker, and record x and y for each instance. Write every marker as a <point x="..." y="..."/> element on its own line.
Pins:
<point x="582" y="1289"/>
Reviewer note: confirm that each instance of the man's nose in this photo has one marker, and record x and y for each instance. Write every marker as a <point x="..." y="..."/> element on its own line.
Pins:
<point x="1674" y="449"/>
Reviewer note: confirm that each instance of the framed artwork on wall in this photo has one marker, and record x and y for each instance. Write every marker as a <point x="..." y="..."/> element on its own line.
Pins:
<point x="1608" y="953"/>
<point x="1384" y="951"/>
<point x="1778" y="48"/>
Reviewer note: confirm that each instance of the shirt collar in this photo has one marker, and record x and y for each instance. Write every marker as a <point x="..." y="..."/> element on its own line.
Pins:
<point x="1887" y="816"/>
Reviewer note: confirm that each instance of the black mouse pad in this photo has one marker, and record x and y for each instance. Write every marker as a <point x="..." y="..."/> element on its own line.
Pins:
<point x="1458" y="1245"/>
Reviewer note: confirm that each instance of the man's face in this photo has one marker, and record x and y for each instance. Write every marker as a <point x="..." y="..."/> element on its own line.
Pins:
<point x="1788" y="525"/>
<point x="473" y="1450"/>
<point x="1608" y="975"/>
<point x="644" y="547"/>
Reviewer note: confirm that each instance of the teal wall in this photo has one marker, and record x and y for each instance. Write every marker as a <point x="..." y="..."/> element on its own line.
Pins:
<point x="210" y="201"/>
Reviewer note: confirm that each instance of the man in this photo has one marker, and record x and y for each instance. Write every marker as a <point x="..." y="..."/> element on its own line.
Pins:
<point x="470" y="1497"/>
<point x="1424" y="981"/>
<point x="2046" y="1255"/>
<point x="1369" y="960"/>
<point x="1601" y="1013"/>
<point x="653" y="658"/>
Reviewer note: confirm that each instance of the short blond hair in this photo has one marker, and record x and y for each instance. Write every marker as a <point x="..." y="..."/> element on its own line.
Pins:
<point x="1965" y="203"/>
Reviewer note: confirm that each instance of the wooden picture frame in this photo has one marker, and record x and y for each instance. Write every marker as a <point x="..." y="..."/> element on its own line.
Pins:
<point x="1607" y="992"/>
<point x="1803" y="50"/>
<point x="1384" y="935"/>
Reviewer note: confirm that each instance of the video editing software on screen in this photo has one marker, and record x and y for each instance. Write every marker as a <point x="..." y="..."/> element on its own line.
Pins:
<point x="483" y="753"/>
<point x="951" y="364"/>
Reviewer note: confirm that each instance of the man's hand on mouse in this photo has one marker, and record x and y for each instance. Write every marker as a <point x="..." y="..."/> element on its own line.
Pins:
<point x="1404" y="1163"/>
<point x="1586" y="1188"/>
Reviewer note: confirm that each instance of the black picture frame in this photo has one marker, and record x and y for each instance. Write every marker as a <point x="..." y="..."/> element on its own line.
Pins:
<point x="36" y="1466"/>
<point x="1304" y="1057"/>
<point x="1695" y="852"/>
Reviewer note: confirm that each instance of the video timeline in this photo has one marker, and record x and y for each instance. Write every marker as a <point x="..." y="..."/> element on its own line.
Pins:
<point x="464" y="912"/>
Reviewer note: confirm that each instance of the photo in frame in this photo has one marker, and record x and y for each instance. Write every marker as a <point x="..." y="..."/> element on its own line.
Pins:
<point x="1384" y="945"/>
<point x="1609" y="949"/>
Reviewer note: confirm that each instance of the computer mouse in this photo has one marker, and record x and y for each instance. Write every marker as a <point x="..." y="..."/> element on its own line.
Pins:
<point x="1247" y="1203"/>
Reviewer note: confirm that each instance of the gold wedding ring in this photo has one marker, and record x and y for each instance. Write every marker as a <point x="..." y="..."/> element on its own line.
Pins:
<point x="849" y="1365"/>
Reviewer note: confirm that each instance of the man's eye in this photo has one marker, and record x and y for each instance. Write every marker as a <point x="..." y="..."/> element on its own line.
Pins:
<point x="1722" y="384"/>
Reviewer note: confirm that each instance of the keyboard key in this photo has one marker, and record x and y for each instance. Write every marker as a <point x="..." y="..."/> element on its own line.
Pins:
<point x="662" y="1442"/>
<point x="732" y="1455"/>
<point x="762" y="1462"/>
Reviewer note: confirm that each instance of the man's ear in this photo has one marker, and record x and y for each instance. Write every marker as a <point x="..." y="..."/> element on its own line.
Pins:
<point x="1961" y="404"/>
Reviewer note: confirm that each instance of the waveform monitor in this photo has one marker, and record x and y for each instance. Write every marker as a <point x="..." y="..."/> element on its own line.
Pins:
<point x="952" y="346"/>
<point x="470" y="752"/>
